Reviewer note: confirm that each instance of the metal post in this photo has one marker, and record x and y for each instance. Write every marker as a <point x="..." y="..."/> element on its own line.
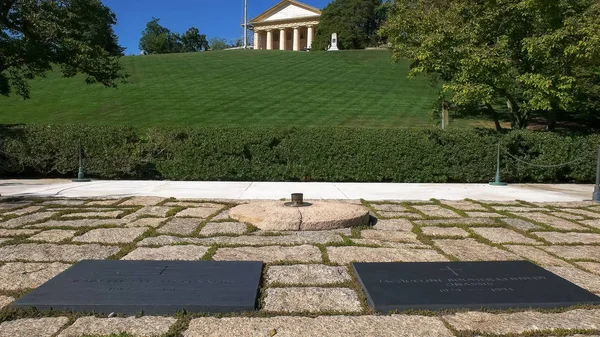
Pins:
<point x="498" y="181"/>
<point x="81" y="174"/>
<point x="245" y="24"/>
<point x="596" y="196"/>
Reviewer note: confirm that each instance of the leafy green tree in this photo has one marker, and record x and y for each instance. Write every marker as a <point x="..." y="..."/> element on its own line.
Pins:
<point x="75" y="35"/>
<point x="193" y="41"/>
<point x="157" y="39"/>
<point x="218" y="43"/>
<point x="538" y="56"/>
<point x="355" y="21"/>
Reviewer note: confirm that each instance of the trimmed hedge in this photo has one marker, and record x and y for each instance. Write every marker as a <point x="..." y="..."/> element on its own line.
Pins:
<point x="316" y="154"/>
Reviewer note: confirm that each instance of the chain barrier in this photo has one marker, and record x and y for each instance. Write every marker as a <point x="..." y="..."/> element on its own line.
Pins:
<point x="539" y="165"/>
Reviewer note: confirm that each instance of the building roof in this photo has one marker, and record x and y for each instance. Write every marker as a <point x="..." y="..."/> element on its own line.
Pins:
<point x="270" y="14"/>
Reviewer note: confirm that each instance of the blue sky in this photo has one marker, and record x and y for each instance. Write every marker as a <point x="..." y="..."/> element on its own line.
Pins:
<point x="220" y="18"/>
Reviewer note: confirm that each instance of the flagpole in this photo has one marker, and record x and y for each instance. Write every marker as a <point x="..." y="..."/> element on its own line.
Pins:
<point x="245" y="24"/>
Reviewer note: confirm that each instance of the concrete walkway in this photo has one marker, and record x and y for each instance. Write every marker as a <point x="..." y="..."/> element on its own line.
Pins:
<point x="278" y="190"/>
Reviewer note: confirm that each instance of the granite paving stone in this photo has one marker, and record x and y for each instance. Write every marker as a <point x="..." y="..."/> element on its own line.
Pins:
<point x="389" y="207"/>
<point x="147" y="222"/>
<point x="168" y="253"/>
<point x="390" y="214"/>
<point x="594" y="267"/>
<point x="8" y="205"/>
<point x="566" y="215"/>
<point x="47" y="252"/>
<point x="107" y="202"/>
<point x="555" y="237"/>
<point x="53" y="235"/>
<point x="18" y="275"/>
<point x="64" y="202"/>
<point x="396" y="236"/>
<point x="581" y="278"/>
<point x="107" y="215"/>
<point x="33" y="327"/>
<point x="523" y="322"/>
<point x="322" y="326"/>
<point x="456" y="221"/>
<point x="520" y="224"/>
<point x="198" y="212"/>
<point x="437" y="211"/>
<point x="3" y="240"/>
<point x="142" y="201"/>
<point x="5" y="300"/>
<point x="553" y="221"/>
<point x="80" y="223"/>
<point x="304" y="253"/>
<point x="567" y="204"/>
<point x="345" y="255"/>
<point x="183" y="203"/>
<point x="26" y="210"/>
<point x="503" y="235"/>
<point x="154" y="211"/>
<point x="472" y="250"/>
<point x="222" y="216"/>
<point x="111" y="235"/>
<point x="26" y="219"/>
<point x="536" y="255"/>
<point x="294" y="238"/>
<point x="592" y="223"/>
<point x="519" y="209"/>
<point x="390" y="244"/>
<point x="310" y="299"/>
<point x="394" y="225"/>
<point x="180" y="226"/>
<point x="146" y="326"/>
<point x="483" y="215"/>
<point x="17" y="232"/>
<point x="215" y="228"/>
<point x="464" y="205"/>
<point x="307" y="274"/>
<point x="444" y="231"/>
<point x="575" y="252"/>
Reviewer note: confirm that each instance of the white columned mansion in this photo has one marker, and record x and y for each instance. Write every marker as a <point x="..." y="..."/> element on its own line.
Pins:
<point x="289" y="25"/>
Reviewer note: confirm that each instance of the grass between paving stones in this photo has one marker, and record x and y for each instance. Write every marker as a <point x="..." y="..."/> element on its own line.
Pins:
<point x="429" y="241"/>
<point x="131" y="246"/>
<point x="538" y="333"/>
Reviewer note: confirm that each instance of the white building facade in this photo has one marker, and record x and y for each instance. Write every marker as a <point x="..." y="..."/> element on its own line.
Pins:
<point x="289" y="25"/>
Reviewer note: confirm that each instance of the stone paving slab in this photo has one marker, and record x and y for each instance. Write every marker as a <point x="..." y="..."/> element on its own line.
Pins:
<point x="33" y="327"/>
<point x="594" y="267"/>
<point x="26" y="219"/>
<point x="464" y="205"/>
<point x="585" y="212"/>
<point x="437" y="211"/>
<point x="5" y="300"/>
<point x="64" y="202"/>
<point x="180" y="226"/>
<point x="147" y="222"/>
<point x="80" y="223"/>
<point x="346" y="255"/>
<point x="581" y="278"/>
<point x="555" y="237"/>
<point x="483" y="215"/>
<point x="168" y="253"/>
<point x="471" y="250"/>
<point x="575" y="252"/>
<point x="522" y="322"/>
<point x="142" y="201"/>
<point x="216" y="228"/>
<point x="592" y="223"/>
<point x="536" y="255"/>
<point x="111" y="235"/>
<point x="444" y="231"/>
<point x="46" y="252"/>
<point x="503" y="235"/>
<point x="553" y="221"/>
<point x="53" y="235"/>
<point x="395" y="236"/>
<point x="18" y="275"/>
<point x="389" y="207"/>
<point x="107" y="215"/>
<point x="390" y="214"/>
<point x="197" y="212"/>
<point x="566" y="215"/>
<point x="295" y="238"/>
<point x="310" y="299"/>
<point x="307" y="274"/>
<point x="147" y="326"/>
<point x="323" y="326"/>
<point x="18" y="232"/>
<point x="26" y="210"/>
<point x="456" y="221"/>
<point x="394" y="225"/>
<point x="520" y="224"/>
<point x="305" y="253"/>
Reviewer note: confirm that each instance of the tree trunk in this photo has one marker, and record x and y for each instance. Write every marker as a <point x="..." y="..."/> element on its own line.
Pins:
<point x="552" y="117"/>
<point x="519" y="119"/>
<point x="495" y="116"/>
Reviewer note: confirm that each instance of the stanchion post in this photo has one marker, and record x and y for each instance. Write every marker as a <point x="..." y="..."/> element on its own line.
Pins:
<point x="596" y="196"/>
<point x="498" y="181"/>
<point x="81" y="174"/>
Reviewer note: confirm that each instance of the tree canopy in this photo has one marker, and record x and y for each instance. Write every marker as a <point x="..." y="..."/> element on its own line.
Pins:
<point x="157" y="39"/>
<point x="75" y="35"/>
<point x="539" y="57"/>
<point x="355" y="21"/>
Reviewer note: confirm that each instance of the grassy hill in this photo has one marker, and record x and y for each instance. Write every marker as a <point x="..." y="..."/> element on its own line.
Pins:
<point x="348" y="88"/>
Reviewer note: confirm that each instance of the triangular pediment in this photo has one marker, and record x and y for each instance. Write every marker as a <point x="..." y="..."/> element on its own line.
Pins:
<point x="287" y="10"/>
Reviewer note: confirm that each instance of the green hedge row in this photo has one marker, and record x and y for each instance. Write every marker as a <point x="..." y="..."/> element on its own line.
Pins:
<point x="316" y="154"/>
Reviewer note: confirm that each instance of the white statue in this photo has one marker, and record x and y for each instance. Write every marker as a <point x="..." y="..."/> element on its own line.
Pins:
<point x="334" y="40"/>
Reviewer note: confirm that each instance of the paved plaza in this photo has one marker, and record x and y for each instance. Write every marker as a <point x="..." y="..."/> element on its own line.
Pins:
<point x="308" y="286"/>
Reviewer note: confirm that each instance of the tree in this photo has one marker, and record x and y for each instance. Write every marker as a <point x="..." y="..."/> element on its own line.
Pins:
<point x="538" y="56"/>
<point x="193" y="41"/>
<point x="217" y="43"/>
<point x="75" y="35"/>
<point x="355" y="22"/>
<point x="157" y="39"/>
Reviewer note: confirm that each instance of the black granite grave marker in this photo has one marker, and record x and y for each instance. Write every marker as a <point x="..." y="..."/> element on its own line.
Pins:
<point x="473" y="285"/>
<point x="151" y="287"/>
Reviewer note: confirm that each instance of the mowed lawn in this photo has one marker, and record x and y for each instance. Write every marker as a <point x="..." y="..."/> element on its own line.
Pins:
<point x="238" y="88"/>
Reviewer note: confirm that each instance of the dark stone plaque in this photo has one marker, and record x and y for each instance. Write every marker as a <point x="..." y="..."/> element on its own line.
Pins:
<point x="472" y="285"/>
<point x="151" y="287"/>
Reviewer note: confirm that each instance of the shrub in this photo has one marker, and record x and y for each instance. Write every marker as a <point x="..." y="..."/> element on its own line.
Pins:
<point x="275" y="154"/>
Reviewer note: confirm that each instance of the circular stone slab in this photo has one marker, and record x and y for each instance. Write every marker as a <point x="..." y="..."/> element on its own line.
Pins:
<point x="273" y="215"/>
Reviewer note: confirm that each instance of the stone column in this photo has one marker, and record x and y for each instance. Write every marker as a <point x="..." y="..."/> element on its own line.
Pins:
<point x="282" y="39"/>
<point x="256" y="40"/>
<point x="309" y="37"/>
<point x="296" y="39"/>
<point x="269" y="39"/>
